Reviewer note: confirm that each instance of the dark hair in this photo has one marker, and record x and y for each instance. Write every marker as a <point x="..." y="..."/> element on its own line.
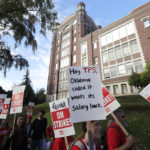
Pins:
<point x="21" y="115"/>
<point x="116" y="112"/>
<point x="43" y="112"/>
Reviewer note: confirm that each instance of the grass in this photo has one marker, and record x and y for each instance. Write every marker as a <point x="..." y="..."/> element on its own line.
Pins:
<point x="136" y="109"/>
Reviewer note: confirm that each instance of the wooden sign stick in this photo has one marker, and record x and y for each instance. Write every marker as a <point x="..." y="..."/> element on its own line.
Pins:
<point x="91" y="142"/>
<point x="66" y="142"/>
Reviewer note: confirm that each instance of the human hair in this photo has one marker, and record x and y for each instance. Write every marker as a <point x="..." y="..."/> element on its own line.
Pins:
<point x="21" y="115"/>
<point x="43" y="112"/>
<point x="117" y="112"/>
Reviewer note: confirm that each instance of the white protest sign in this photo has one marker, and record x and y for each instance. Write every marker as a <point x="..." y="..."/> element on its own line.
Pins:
<point x="17" y="99"/>
<point x="4" y="112"/>
<point x="30" y="109"/>
<point x="146" y="92"/>
<point x="61" y="118"/>
<point x="110" y="103"/>
<point x="85" y="94"/>
<point x="2" y="99"/>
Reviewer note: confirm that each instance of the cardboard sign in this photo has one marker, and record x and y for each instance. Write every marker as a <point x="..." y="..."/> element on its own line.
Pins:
<point x="146" y="92"/>
<point x="30" y="109"/>
<point x="4" y="112"/>
<point x="110" y="103"/>
<point x="17" y="99"/>
<point x="85" y="94"/>
<point x="61" y="118"/>
<point x="2" y="99"/>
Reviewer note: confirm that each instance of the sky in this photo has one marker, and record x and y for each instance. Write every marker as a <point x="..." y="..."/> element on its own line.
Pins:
<point x="102" y="12"/>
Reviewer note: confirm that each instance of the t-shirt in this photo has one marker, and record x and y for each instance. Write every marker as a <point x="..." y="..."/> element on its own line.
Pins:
<point x="115" y="137"/>
<point x="3" y="132"/>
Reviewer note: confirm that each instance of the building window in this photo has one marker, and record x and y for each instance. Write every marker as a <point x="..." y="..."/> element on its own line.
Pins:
<point x="122" y="32"/>
<point x="113" y="71"/>
<point x="95" y="45"/>
<point x="95" y="60"/>
<point x="74" y="30"/>
<point x="65" y="43"/>
<point x="116" y="89"/>
<point x="146" y="22"/>
<point x="111" y="54"/>
<point x="74" y="48"/>
<point x="124" y="88"/>
<point x="65" y="52"/>
<point x="129" y="68"/>
<point x="134" y="46"/>
<point x="118" y="52"/>
<point x="56" y="67"/>
<point x="64" y="62"/>
<point x="133" y="89"/>
<point x="126" y="49"/>
<point x="115" y="35"/>
<point x="85" y="61"/>
<point x="103" y="40"/>
<point x="109" y="38"/>
<point x="108" y="88"/>
<point x="105" y="57"/>
<point x="84" y="49"/>
<point x="57" y="56"/>
<point x="66" y="36"/>
<point x="63" y="75"/>
<point x="106" y="73"/>
<point x="74" y="58"/>
<point x="74" y="22"/>
<point x="121" y="70"/>
<point x="55" y="76"/>
<point x="138" y="66"/>
<point x="74" y="39"/>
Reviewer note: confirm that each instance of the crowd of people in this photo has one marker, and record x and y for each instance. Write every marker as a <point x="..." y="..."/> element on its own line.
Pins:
<point x="30" y="135"/>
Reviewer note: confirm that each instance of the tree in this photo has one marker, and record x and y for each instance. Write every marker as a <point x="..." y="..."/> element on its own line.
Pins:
<point x="29" y="95"/>
<point x="20" y="17"/>
<point x="40" y="96"/>
<point x="2" y="91"/>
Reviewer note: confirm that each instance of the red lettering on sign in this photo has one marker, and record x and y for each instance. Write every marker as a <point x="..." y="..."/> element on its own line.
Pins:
<point x="89" y="70"/>
<point x="148" y="98"/>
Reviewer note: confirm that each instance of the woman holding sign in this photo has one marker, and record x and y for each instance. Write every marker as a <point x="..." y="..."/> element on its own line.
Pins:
<point x="83" y="142"/>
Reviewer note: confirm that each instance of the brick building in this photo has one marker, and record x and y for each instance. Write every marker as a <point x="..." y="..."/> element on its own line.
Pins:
<point x="119" y="49"/>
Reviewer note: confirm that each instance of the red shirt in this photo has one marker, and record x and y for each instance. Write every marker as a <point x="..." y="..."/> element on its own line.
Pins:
<point x="75" y="147"/>
<point x="59" y="143"/>
<point x="50" y="131"/>
<point x="115" y="137"/>
<point x="3" y="132"/>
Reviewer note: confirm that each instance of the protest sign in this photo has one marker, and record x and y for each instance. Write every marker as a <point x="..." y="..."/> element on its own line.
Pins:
<point x="110" y="103"/>
<point x="17" y="99"/>
<point x="85" y="94"/>
<point x="61" y="118"/>
<point x="4" y="112"/>
<point x="30" y="109"/>
<point x="2" y="99"/>
<point x="146" y="92"/>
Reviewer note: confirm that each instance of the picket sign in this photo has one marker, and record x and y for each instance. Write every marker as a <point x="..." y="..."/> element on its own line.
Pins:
<point x="110" y="103"/>
<point x="2" y="99"/>
<point x="146" y="92"/>
<point x="30" y="109"/>
<point x="4" y="112"/>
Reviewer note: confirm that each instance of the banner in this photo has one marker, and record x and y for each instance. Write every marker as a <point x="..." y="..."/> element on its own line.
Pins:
<point x="4" y="112"/>
<point x="85" y="94"/>
<point x="2" y="99"/>
<point x="61" y="118"/>
<point x="146" y="92"/>
<point x="110" y="103"/>
<point x="17" y="99"/>
<point x="30" y="109"/>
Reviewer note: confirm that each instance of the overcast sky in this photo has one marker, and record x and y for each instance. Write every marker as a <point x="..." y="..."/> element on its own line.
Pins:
<point x="102" y="12"/>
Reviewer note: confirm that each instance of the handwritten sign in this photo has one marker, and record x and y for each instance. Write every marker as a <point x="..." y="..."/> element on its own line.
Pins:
<point x="30" y="109"/>
<point x="85" y="94"/>
<point x="146" y="92"/>
<point x="4" y="112"/>
<point x="2" y="99"/>
<point x="110" y="103"/>
<point x="61" y="118"/>
<point x="17" y="99"/>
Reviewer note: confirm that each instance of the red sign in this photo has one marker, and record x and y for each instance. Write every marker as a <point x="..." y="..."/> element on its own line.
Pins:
<point x="148" y="98"/>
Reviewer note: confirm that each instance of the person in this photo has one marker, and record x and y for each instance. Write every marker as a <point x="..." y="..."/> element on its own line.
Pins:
<point x="38" y="130"/>
<point x="4" y="128"/>
<point x="83" y="141"/>
<point x="59" y="143"/>
<point x="28" y="125"/>
<point x="16" y="138"/>
<point x="116" y="139"/>
<point x="50" y="134"/>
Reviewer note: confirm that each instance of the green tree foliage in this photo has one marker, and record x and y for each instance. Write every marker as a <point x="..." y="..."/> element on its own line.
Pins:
<point x="40" y="96"/>
<point x="29" y="95"/>
<point x="20" y="17"/>
<point x="2" y="91"/>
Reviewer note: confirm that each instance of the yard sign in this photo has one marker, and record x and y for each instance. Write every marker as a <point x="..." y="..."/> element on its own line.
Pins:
<point x="2" y="99"/>
<point x="30" y="109"/>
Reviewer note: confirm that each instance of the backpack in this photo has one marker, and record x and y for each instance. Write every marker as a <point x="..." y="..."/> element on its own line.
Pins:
<point x="77" y="143"/>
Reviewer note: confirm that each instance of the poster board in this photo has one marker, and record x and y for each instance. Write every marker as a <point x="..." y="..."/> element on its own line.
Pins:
<point x="4" y="112"/>
<point x="17" y="99"/>
<point x="61" y="118"/>
<point x="146" y="92"/>
<point x="30" y="109"/>
<point x="2" y="99"/>
<point x="85" y="94"/>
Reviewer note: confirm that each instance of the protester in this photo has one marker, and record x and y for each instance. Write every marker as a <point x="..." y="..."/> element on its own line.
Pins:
<point x="59" y="143"/>
<point x="38" y="130"/>
<point x="50" y="134"/>
<point x="28" y="125"/>
<point x="4" y="128"/>
<point x="83" y="141"/>
<point x="116" y="139"/>
<point x="17" y="138"/>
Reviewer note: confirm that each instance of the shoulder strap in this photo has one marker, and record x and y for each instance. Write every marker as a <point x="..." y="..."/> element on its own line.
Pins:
<point x="80" y="145"/>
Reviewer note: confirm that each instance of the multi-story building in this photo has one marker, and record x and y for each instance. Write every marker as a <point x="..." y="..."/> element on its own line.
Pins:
<point x="119" y="49"/>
